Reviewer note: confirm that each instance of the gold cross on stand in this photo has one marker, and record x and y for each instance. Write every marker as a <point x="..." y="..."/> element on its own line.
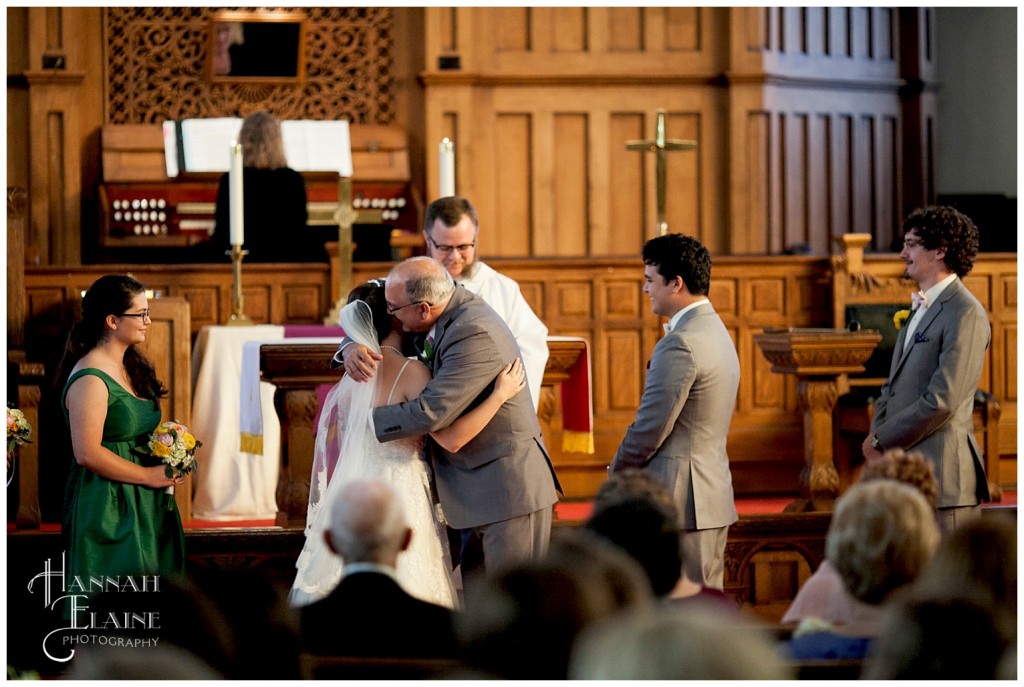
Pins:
<point x="659" y="146"/>
<point x="345" y="216"/>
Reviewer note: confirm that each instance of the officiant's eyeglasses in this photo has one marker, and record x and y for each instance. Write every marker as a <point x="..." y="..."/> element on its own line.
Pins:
<point x="144" y="315"/>
<point x="446" y="250"/>
<point x="392" y="309"/>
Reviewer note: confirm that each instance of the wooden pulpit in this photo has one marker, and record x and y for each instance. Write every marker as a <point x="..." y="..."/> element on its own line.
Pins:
<point x="821" y="359"/>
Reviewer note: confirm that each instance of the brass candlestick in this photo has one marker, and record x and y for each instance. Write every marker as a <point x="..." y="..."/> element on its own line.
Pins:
<point x="237" y="301"/>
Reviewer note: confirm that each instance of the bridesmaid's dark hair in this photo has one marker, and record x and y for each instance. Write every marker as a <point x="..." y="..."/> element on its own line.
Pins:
<point x="111" y="294"/>
<point x="372" y="293"/>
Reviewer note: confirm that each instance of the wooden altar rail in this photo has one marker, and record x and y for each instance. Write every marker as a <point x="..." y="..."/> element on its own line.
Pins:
<point x="602" y="301"/>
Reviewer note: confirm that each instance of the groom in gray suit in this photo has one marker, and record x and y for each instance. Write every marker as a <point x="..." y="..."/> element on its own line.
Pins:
<point x="682" y="423"/>
<point x="499" y="488"/>
<point x="927" y="402"/>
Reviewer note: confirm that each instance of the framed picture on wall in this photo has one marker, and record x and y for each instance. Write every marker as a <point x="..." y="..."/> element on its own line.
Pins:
<point x="257" y="47"/>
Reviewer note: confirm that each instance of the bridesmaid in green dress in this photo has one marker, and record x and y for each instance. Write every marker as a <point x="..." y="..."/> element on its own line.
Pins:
<point x="118" y="520"/>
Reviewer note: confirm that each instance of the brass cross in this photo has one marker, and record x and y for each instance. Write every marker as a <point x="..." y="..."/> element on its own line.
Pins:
<point x="659" y="146"/>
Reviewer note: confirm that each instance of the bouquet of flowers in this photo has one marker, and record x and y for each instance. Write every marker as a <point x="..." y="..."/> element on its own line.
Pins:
<point x="175" y="446"/>
<point x="19" y="431"/>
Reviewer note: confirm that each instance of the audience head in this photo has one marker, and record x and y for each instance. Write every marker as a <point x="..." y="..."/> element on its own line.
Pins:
<point x="667" y="644"/>
<point x="636" y="514"/>
<point x="450" y="230"/>
<point x="978" y="562"/>
<point x="418" y="289"/>
<point x="521" y="621"/>
<point x="678" y="256"/>
<point x="187" y="617"/>
<point x="265" y="628"/>
<point x="908" y="467"/>
<point x="938" y="639"/>
<point x="631" y="483"/>
<point x="162" y="662"/>
<point x="882" y="534"/>
<point x="115" y="305"/>
<point x="372" y="293"/>
<point x="261" y="141"/>
<point x="944" y="228"/>
<point x="368" y="524"/>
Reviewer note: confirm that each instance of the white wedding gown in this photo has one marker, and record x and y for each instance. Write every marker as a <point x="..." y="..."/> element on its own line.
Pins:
<point x="424" y="569"/>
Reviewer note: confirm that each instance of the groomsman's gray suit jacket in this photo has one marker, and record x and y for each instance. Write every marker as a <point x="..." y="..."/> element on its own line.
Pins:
<point x="927" y="402"/>
<point x="505" y="471"/>
<point x="682" y="423"/>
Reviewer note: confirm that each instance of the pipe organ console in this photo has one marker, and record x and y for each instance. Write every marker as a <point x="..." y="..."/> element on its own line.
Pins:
<point x="142" y="207"/>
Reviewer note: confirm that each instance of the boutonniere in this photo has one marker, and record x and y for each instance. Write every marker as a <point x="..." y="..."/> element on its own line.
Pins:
<point x="428" y="349"/>
<point x="900" y="318"/>
<point x="920" y="338"/>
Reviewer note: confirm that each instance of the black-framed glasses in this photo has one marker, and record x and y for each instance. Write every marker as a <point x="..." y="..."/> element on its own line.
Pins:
<point x="144" y="315"/>
<point x="392" y="309"/>
<point x="912" y="243"/>
<point x="446" y="250"/>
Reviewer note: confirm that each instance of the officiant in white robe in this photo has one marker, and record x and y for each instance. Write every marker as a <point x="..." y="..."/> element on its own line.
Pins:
<point x="451" y="230"/>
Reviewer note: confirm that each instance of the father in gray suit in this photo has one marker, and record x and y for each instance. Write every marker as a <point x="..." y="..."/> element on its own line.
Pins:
<point x="682" y="423"/>
<point x="926" y="404"/>
<point x="499" y="487"/>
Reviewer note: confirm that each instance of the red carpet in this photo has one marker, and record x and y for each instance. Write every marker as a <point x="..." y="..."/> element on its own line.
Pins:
<point x="564" y="510"/>
<point x="225" y="524"/>
<point x="580" y="510"/>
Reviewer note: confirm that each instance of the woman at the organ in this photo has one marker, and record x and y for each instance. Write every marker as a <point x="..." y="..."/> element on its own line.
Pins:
<point x="274" y="197"/>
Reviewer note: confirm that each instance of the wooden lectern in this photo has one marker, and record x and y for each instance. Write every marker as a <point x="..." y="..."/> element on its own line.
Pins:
<point x="821" y="359"/>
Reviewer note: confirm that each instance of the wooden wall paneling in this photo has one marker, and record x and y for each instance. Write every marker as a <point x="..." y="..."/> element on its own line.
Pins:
<point x="571" y="183"/>
<point x="560" y="169"/>
<point x="169" y="346"/>
<point x="54" y="161"/>
<point x="514" y="184"/>
<point x="618" y="174"/>
<point x="623" y="41"/>
<point x="806" y="159"/>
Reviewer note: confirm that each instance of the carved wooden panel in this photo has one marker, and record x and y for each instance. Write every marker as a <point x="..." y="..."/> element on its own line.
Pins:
<point x="156" y="58"/>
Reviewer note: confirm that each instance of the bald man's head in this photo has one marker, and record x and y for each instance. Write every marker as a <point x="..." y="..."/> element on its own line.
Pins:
<point x="368" y="524"/>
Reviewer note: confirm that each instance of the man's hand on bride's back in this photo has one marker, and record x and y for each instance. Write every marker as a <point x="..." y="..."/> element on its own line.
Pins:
<point x="510" y="381"/>
<point x="360" y="362"/>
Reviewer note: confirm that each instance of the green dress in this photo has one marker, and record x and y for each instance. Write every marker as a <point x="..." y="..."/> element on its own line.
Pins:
<point x="113" y="528"/>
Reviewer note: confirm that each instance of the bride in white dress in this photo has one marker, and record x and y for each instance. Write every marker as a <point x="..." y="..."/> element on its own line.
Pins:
<point x="347" y="448"/>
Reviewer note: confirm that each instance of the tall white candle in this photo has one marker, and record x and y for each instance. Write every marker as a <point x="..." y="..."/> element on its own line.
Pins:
<point x="447" y="168"/>
<point x="237" y="208"/>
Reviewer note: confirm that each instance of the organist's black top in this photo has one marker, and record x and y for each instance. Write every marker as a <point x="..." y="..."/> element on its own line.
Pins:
<point x="275" y="218"/>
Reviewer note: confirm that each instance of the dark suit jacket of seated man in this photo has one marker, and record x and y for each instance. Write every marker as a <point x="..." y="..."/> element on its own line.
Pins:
<point x="369" y="614"/>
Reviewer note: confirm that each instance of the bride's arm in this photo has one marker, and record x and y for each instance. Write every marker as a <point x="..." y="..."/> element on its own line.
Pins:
<point x="510" y="381"/>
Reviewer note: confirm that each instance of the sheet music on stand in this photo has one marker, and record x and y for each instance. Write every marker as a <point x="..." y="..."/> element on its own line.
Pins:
<point x="202" y="145"/>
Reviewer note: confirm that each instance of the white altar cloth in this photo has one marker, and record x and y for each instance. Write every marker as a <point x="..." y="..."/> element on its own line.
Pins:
<point x="231" y="484"/>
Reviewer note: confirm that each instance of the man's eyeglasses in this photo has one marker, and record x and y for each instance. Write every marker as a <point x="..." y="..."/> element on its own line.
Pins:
<point x="912" y="243"/>
<point x="446" y="250"/>
<point x="144" y="315"/>
<point x="392" y="309"/>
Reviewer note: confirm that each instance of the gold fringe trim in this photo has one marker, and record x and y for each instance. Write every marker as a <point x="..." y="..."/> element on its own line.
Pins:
<point x="252" y="443"/>
<point x="578" y="442"/>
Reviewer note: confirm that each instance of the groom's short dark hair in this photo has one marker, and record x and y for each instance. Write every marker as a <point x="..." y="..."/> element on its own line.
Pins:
<point x="676" y="255"/>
